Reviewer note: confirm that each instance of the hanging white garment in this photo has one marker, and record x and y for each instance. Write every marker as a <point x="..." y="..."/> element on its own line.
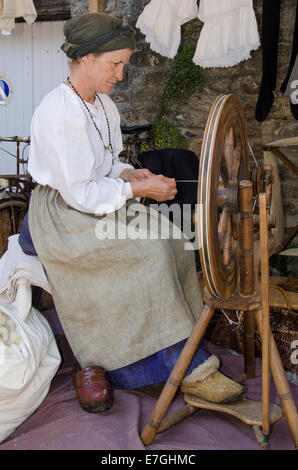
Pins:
<point x="12" y="9"/>
<point x="229" y="33"/>
<point x="161" y="22"/>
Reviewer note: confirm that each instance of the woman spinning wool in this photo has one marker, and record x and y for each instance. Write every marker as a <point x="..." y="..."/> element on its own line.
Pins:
<point x="126" y="304"/>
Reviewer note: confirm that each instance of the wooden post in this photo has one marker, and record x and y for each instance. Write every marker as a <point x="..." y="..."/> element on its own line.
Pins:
<point x="265" y="318"/>
<point x="96" y="6"/>
<point x="267" y="176"/>
<point x="246" y="239"/>
<point x="247" y="271"/>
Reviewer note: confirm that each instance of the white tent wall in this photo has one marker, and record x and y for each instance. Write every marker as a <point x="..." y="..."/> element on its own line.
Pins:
<point x="33" y="63"/>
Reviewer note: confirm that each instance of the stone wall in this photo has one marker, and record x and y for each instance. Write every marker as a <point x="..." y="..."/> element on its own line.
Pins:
<point x="138" y="96"/>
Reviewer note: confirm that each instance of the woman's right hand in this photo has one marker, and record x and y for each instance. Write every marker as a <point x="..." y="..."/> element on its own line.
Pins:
<point x="157" y="187"/>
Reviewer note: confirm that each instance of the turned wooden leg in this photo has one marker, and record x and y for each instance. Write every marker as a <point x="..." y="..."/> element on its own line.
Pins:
<point x="281" y="383"/>
<point x="176" y="376"/>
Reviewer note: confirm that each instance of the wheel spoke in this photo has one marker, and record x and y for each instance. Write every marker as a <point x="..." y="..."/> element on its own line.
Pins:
<point x="227" y="244"/>
<point x="221" y="196"/>
<point x="224" y="172"/>
<point x="235" y="163"/>
<point x="234" y="247"/>
<point x="234" y="226"/>
<point x="222" y="226"/>
<point x="13" y="219"/>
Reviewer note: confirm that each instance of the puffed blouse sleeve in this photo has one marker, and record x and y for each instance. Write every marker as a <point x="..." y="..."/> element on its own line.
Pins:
<point x="67" y="154"/>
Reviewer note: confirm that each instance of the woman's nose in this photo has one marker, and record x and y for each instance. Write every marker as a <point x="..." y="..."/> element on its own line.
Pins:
<point x="119" y="73"/>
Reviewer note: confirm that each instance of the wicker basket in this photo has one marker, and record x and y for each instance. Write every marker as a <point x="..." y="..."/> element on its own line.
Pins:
<point x="220" y="331"/>
<point x="284" y="326"/>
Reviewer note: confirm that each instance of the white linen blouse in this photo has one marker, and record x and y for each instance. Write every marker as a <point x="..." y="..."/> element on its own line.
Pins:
<point x="67" y="153"/>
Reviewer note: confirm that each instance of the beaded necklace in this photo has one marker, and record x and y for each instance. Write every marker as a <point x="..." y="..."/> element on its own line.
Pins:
<point x="109" y="147"/>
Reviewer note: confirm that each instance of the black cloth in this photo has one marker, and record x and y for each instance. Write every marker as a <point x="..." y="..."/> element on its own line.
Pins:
<point x="175" y="163"/>
<point x="270" y="36"/>
<point x="183" y="165"/>
<point x="293" y="54"/>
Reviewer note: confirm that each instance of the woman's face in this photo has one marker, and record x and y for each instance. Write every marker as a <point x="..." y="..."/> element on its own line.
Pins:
<point x="105" y="69"/>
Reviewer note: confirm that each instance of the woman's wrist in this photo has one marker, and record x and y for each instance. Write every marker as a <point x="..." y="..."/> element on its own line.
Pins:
<point x="138" y="188"/>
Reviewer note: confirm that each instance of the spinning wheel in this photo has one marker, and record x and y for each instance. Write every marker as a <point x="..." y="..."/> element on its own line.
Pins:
<point x="224" y="163"/>
<point x="227" y="243"/>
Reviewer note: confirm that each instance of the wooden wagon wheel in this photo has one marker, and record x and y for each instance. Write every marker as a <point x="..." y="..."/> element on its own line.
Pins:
<point x="223" y="164"/>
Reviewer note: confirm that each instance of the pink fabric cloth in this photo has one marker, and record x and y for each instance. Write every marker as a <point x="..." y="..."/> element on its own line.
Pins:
<point x="60" y="423"/>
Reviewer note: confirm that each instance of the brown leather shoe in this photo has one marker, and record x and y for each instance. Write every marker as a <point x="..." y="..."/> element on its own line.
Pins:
<point x="94" y="391"/>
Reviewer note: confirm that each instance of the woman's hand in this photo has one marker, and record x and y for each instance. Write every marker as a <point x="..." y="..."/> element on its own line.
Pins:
<point x="130" y="175"/>
<point x="157" y="187"/>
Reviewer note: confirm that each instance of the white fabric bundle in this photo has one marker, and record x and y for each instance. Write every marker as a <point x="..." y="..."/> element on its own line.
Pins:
<point x="229" y="33"/>
<point x="29" y="357"/>
<point x="161" y="22"/>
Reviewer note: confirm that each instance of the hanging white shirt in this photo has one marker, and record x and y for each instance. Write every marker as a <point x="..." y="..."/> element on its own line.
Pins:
<point x="229" y="33"/>
<point x="67" y="153"/>
<point x="11" y="9"/>
<point x="161" y="22"/>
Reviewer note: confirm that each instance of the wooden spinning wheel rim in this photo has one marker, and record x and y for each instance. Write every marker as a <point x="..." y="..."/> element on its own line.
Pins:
<point x="223" y="164"/>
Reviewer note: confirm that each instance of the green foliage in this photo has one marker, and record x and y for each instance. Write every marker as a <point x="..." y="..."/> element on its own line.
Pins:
<point x="165" y="134"/>
<point x="183" y="79"/>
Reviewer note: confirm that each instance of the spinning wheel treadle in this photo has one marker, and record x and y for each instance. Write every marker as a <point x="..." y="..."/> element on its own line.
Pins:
<point x="248" y="411"/>
<point x="223" y="164"/>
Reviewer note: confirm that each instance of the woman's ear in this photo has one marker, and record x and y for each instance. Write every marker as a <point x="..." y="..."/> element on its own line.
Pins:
<point x="87" y="59"/>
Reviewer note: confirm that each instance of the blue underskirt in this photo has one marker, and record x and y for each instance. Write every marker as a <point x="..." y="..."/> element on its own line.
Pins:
<point x="155" y="368"/>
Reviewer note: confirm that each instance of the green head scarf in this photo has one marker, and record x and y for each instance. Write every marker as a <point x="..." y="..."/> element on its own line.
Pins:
<point x="96" y="32"/>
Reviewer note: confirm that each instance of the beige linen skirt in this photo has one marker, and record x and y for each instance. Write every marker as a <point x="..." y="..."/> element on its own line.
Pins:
<point x="119" y="298"/>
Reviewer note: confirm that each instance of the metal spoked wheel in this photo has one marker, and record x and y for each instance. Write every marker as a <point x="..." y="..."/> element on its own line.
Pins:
<point x="12" y="212"/>
<point x="223" y="164"/>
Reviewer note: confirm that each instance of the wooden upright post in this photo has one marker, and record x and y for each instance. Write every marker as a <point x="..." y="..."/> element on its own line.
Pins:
<point x="247" y="285"/>
<point x="267" y="176"/>
<point x="96" y="6"/>
<point x="265" y="317"/>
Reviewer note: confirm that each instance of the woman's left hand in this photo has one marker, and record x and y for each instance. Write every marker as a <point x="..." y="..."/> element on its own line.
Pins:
<point x="131" y="175"/>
